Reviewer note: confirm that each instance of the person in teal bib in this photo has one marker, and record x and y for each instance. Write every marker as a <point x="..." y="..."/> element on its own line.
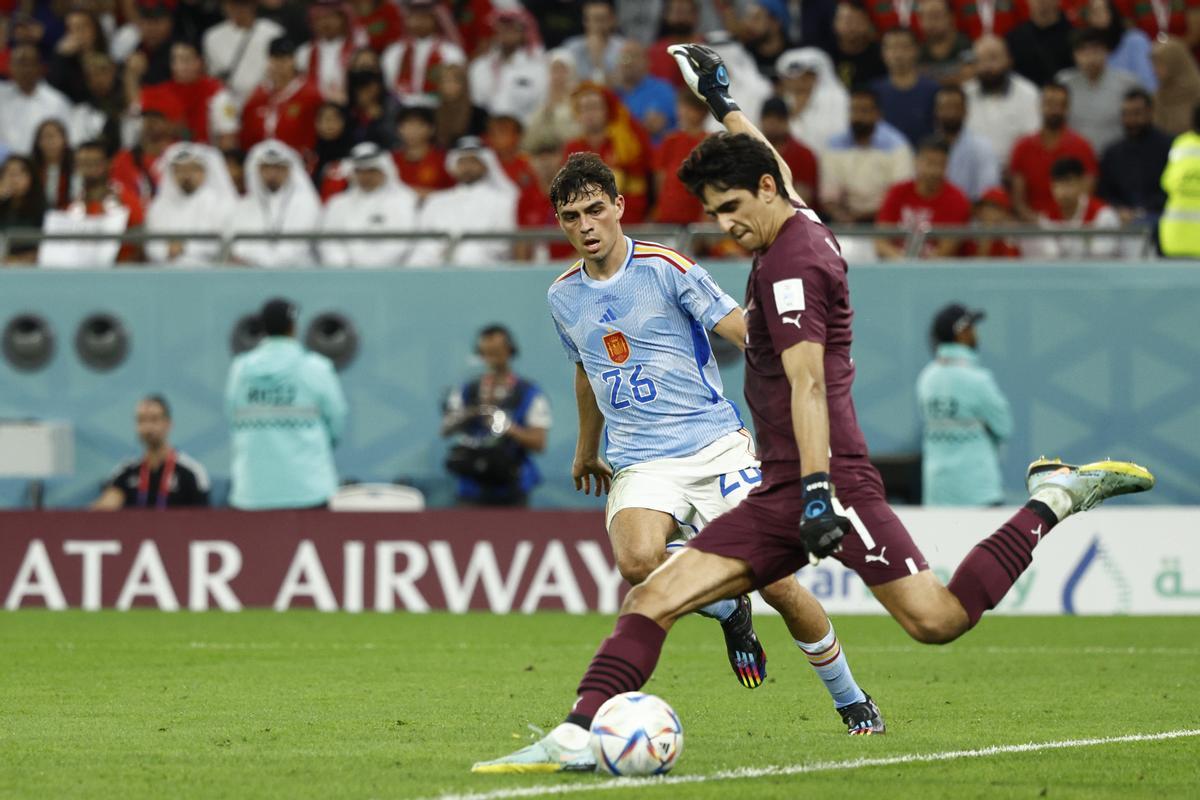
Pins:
<point x="966" y="416"/>
<point x="287" y="411"/>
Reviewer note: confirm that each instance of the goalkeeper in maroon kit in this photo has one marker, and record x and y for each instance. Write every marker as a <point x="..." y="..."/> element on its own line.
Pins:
<point x="798" y="380"/>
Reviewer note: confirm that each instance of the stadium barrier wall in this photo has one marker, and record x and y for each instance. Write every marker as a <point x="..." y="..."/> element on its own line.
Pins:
<point x="1097" y="359"/>
<point x="1110" y="561"/>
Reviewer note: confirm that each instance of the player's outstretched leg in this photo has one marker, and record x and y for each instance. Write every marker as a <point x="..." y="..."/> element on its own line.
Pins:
<point x="627" y="658"/>
<point x="813" y="633"/>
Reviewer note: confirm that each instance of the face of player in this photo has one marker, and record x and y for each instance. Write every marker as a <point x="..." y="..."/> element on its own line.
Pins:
<point x="495" y="352"/>
<point x="153" y="425"/>
<point x="592" y="224"/>
<point x="742" y="214"/>
<point x="186" y="66"/>
<point x="189" y="176"/>
<point x="274" y="176"/>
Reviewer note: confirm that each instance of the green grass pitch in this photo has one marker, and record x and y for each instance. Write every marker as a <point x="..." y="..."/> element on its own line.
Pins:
<point x="302" y="704"/>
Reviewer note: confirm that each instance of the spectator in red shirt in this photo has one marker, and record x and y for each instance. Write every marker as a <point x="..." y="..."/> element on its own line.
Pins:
<point x="989" y="17"/>
<point x="420" y="162"/>
<point x="137" y="168"/>
<point x="100" y="194"/>
<point x="676" y="205"/>
<point x="1033" y="155"/>
<point x="533" y="203"/>
<point x="680" y="24"/>
<point x="1161" y="18"/>
<point x="801" y="160"/>
<point x="888" y="15"/>
<point x="992" y="210"/>
<point x="610" y="131"/>
<point x="207" y="109"/>
<point x="380" y="20"/>
<point x="284" y="106"/>
<point x="927" y="200"/>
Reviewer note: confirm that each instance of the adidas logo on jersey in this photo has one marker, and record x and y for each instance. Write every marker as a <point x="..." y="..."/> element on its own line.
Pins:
<point x="609" y="316"/>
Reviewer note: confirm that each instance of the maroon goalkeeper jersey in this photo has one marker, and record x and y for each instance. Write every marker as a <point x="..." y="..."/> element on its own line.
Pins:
<point x="797" y="292"/>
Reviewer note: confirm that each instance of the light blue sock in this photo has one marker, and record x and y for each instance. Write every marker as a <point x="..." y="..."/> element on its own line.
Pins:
<point x="720" y="610"/>
<point x="830" y="663"/>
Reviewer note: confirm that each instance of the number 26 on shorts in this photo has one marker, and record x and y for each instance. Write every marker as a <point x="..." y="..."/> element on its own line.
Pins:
<point x="641" y="388"/>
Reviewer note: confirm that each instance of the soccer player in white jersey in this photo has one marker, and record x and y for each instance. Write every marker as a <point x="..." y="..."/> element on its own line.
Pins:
<point x="634" y="317"/>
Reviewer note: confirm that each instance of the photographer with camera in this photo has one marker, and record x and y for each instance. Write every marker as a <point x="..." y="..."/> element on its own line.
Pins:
<point x="498" y="420"/>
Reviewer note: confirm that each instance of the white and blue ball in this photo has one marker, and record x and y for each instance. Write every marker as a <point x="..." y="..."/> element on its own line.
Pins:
<point x="636" y="734"/>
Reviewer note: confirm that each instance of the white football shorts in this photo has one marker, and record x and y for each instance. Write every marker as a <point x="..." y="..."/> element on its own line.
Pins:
<point x="693" y="489"/>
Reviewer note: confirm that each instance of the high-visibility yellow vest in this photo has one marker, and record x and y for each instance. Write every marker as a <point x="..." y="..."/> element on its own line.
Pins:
<point x="1179" y="228"/>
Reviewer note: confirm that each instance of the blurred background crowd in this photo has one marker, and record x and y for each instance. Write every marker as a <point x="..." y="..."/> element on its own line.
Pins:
<point x="277" y="116"/>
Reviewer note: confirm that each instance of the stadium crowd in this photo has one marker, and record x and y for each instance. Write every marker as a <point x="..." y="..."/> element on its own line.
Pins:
<point x="278" y="116"/>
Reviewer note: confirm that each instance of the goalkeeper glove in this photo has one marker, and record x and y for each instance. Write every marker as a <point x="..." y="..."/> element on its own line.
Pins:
<point x="821" y="528"/>
<point x="706" y="76"/>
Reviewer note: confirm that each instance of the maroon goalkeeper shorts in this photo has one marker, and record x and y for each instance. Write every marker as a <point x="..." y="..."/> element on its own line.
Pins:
<point x="763" y="530"/>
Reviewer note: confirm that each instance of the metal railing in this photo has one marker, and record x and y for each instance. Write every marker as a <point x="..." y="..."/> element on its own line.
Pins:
<point x="1139" y="238"/>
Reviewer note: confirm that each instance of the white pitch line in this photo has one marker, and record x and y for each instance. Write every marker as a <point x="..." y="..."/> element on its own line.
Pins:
<point x="819" y="766"/>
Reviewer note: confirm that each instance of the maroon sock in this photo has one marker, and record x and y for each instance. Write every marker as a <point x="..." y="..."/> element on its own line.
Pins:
<point x="622" y="664"/>
<point x="993" y="565"/>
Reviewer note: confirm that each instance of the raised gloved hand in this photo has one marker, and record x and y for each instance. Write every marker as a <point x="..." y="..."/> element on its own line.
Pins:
<point x="821" y="528"/>
<point x="706" y="76"/>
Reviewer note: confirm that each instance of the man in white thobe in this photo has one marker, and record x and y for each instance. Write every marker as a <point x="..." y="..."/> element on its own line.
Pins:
<point x="280" y="198"/>
<point x="483" y="200"/>
<point x="195" y="195"/>
<point x="376" y="201"/>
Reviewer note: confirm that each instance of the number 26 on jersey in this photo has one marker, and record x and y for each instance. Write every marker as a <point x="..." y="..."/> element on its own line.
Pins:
<point x="627" y="383"/>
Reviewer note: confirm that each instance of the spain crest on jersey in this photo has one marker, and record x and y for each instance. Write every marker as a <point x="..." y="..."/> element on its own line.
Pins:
<point x="617" y="346"/>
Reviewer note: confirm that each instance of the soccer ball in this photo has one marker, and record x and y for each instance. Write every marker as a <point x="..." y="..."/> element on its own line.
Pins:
<point x="636" y="734"/>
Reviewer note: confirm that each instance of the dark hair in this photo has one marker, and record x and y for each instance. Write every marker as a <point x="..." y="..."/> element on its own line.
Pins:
<point x="101" y="43"/>
<point x="1065" y="168"/>
<point x="583" y="174"/>
<point x="774" y="107"/>
<point x="935" y="142"/>
<point x="67" y="167"/>
<point x="1116" y="25"/>
<point x="93" y="144"/>
<point x="423" y="113"/>
<point x="161" y="401"/>
<point x="730" y="161"/>
<point x="1055" y="86"/>
<point x="33" y="203"/>
<point x="863" y="90"/>
<point x="901" y="31"/>
<point x="496" y="329"/>
<point x="954" y="89"/>
<point x="1085" y="37"/>
<point x="1138" y="93"/>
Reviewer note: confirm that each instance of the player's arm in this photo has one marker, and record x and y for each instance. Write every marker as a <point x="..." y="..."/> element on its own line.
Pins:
<point x="705" y="74"/>
<point x="732" y="328"/>
<point x="821" y="527"/>
<point x="588" y="464"/>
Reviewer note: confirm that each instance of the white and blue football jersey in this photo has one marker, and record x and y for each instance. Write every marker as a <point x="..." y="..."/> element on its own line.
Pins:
<point x="642" y="338"/>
